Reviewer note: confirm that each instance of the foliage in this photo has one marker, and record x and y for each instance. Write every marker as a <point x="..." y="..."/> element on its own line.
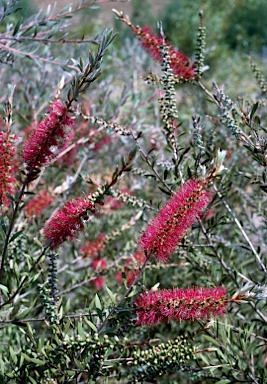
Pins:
<point x="234" y="29"/>
<point x="234" y="23"/>
<point x="129" y="197"/>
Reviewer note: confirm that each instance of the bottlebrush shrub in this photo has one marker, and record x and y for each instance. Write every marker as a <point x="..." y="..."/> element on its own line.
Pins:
<point x="99" y="224"/>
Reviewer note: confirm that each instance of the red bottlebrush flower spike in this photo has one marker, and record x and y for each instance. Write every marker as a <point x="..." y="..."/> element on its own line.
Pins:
<point x="179" y="62"/>
<point x="38" y="204"/>
<point x="47" y="138"/>
<point x="66" y="222"/>
<point x="182" y="304"/>
<point x="174" y="219"/>
<point x="91" y="249"/>
<point x="7" y="169"/>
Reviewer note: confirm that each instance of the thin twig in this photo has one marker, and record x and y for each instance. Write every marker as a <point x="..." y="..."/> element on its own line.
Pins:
<point x="36" y="57"/>
<point x="241" y="229"/>
<point x="222" y="262"/>
<point x="10" y="229"/>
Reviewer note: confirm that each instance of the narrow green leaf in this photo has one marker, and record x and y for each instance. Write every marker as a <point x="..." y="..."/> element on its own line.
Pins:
<point x="17" y="26"/>
<point x="78" y="364"/>
<point x="222" y="355"/>
<point x="26" y="357"/>
<point x="13" y="355"/>
<point x="3" y="288"/>
<point x="21" y="361"/>
<point x="32" y="380"/>
<point x="67" y="327"/>
<point x="67" y="306"/>
<point x="97" y="302"/>
<point x="81" y="331"/>
<point x="253" y="110"/>
<point x="91" y="325"/>
<point x="111" y="295"/>
<point x="92" y="304"/>
<point x="3" y="225"/>
<point x="133" y="292"/>
<point x="38" y="361"/>
<point x="2" y="366"/>
<point x="69" y="372"/>
<point x="17" y="234"/>
<point x="211" y="340"/>
<point x="26" y="311"/>
<point x="204" y="359"/>
<point x="12" y="198"/>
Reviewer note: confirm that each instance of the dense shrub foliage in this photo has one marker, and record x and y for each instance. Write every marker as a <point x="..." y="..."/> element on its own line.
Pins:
<point x="133" y="202"/>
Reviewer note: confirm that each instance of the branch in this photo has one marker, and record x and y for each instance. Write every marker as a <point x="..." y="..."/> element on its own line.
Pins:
<point x="241" y="229"/>
<point x="36" y="57"/>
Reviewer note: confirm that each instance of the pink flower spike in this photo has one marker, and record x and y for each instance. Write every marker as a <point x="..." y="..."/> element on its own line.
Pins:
<point x="179" y="62"/>
<point x="66" y="222"/>
<point x="180" y="305"/>
<point x="7" y="168"/>
<point x="174" y="219"/>
<point x="47" y="138"/>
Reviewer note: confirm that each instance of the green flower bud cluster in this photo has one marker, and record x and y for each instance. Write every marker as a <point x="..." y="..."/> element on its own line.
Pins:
<point x="18" y="248"/>
<point x="128" y="199"/>
<point x="49" y="291"/>
<point x="259" y="77"/>
<point x="228" y="110"/>
<point x="108" y="125"/>
<point x="198" y="140"/>
<point x="165" y="357"/>
<point x="49" y="304"/>
<point x="200" y="50"/>
<point x="52" y="277"/>
<point x="91" y="350"/>
<point x="168" y="102"/>
<point x="231" y="124"/>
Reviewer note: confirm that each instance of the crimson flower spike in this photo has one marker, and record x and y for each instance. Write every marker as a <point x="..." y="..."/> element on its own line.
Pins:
<point x="180" y="63"/>
<point x="47" y="138"/>
<point x="180" y="304"/>
<point x="66" y="222"/>
<point x="7" y="166"/>
<point x="174" y="219"/>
